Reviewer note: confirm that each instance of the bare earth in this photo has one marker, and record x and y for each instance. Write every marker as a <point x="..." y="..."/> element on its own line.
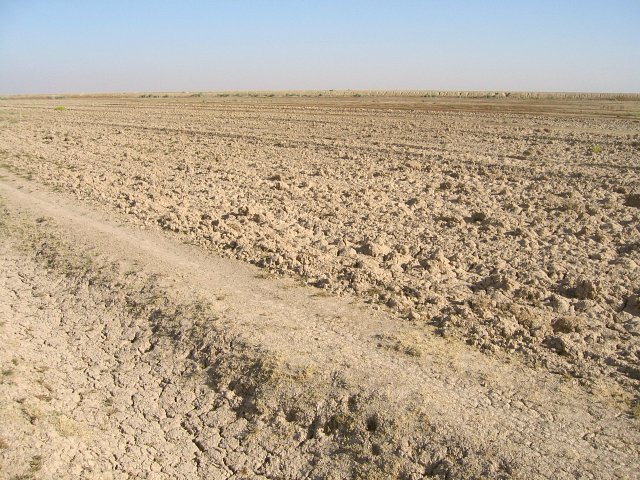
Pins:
<point x="441" y="287"/>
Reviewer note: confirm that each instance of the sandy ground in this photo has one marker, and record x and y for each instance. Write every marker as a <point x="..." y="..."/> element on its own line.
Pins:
<point x="470" y="307"/>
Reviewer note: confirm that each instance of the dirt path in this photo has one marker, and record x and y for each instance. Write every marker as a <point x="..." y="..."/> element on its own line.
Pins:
<point x="125" y="354"/>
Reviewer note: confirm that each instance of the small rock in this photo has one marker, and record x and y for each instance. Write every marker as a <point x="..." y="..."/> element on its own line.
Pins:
<point x="633" y="200"/>
<point x="584" y="305"/>
<point x="632" y="305"/>
<point x="402" y="249"/>
<point x="559" y="304"/>
<point x="424" y="262"/>
<point x="564" y="345"/>
<point x="498" y="281"/>
<point x="478" y="217"/>
<point x="413" y="164"/>
<point x="247" y="211"/>
<point x="585" y="289"/>
<point x="374" y="249"/>
<point x="567" y="324"/>
<point x="321" y="244"/>
<point x="322" y="282"/>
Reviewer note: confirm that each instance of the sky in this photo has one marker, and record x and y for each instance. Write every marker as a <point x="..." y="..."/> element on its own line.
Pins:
<point x="66" y="46"/>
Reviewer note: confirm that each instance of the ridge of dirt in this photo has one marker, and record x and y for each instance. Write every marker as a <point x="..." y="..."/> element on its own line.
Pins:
<point x="126" y="354"/>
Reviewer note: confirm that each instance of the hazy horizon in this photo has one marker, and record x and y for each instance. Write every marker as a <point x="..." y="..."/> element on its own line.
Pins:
<point x="60" y="47"/>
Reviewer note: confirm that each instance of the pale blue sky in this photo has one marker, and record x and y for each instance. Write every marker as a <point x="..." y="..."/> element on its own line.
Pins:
<point x="60" y="46"/>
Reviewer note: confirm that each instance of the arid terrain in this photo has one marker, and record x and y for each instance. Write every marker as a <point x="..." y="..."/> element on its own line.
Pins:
<point x="305" y="285"/>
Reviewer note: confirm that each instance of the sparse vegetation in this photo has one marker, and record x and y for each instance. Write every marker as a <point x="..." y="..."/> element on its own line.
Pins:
<point x="400" y="343"/>
<point x="32" y="412"/>
<point x="266" y="275"/>
<point x="65" y="426"/>
<point x="596" y="149"/>
<point x="35" y="465"/>
<point x="340" y="422"/>
<point x="60" y="108"/>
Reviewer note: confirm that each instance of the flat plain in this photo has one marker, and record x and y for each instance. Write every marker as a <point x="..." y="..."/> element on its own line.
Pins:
<point x="345" y="285"/>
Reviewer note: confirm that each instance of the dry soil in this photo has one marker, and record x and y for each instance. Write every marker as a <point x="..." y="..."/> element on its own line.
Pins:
<point x="440" y="287"/>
